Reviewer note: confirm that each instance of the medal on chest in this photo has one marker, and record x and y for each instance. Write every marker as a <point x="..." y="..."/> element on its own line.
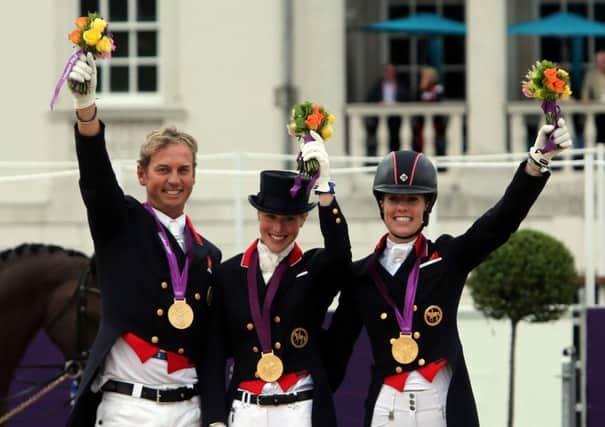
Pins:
<point x="270" y="367"/>
<point x="404" y="348"/>
<point x="180" y="313"/>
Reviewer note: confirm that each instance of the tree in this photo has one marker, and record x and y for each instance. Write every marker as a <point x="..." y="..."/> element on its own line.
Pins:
<point x="531" y="277"/>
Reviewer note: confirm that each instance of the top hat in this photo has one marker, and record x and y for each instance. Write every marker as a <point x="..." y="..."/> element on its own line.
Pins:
<point x="274" y="195"/>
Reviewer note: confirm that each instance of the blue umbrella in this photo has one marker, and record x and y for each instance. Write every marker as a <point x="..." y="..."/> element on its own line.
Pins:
<point x="559" y="24"/>
<point x="421" y="23"/>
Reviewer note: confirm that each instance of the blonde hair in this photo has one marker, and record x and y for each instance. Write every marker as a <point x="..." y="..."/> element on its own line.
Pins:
<point x="160" y="138"/>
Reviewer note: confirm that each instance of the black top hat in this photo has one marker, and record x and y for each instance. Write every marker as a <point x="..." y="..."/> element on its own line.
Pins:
<point x="274" y="196"/>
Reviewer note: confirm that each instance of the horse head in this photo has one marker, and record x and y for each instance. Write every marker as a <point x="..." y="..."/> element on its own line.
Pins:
<point x="51" y="288"/>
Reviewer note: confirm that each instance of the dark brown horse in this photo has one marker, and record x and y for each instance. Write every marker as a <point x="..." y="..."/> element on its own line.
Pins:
<point x="45" y="287"/>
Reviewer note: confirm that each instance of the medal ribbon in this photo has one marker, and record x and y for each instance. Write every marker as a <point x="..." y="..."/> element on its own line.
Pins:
<point x="262" y="320"/>
<point x="404" y="319"/>
<point x="178" y="278"/>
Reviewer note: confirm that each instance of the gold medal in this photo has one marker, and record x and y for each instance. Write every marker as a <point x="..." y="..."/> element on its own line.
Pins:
<point x="269" y="368"/>
<point x="404" y="349"/>
<point x="180" y="314"/>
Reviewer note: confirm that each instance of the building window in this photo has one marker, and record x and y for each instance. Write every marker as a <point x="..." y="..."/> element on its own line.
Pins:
<point x="410" y="52"/>
<point x="134" y="66"/>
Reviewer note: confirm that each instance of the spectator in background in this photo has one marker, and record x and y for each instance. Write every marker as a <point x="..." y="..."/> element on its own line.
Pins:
<point x="594" y="90"/>
<point x="429" y="90"/>
<point x="387" y="91"/>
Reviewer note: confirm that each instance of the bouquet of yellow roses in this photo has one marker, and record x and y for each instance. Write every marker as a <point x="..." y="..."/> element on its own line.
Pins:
<point x="307" y="117"/>
<point x="90" y="35"/>
<point x="547" y="82"/>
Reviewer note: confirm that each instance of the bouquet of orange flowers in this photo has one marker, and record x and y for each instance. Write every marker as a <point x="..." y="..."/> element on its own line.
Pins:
<point x="547" y="82"/>
<point x="307" y="117"/>
<point x="90" y="35"/>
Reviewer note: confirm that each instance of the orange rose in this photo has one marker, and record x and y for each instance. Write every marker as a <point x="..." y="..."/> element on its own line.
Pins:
<point x="75" y="37"/>
<point x="81" y="22"/>
<point x="314" y="119"/>
<point x="556" y="85"/>
<point x="550" y="74"/>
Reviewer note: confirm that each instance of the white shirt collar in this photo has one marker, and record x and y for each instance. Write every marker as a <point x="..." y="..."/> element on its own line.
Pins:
<point x="176" y="226"/>
<point x="268" y="260"/>
<point x="166" y="220"/>
<point x="394" y="255"/>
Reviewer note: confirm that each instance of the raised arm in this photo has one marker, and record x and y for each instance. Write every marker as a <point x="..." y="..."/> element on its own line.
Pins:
<point x="494" y="227"/>
<point x="101" y="193"/>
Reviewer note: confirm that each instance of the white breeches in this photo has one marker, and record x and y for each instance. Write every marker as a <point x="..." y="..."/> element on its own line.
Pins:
<point x="119" y="410"/>
<point x="421" y="406"/>
<point x="297" y="414"/>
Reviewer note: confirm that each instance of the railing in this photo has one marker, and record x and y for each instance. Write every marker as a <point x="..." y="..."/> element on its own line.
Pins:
<point x="357" y="112"/>
<point x="524" y="117"/>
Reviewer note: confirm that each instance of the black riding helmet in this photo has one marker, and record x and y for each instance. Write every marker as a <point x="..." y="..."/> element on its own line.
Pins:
<point x="406" y="172"/>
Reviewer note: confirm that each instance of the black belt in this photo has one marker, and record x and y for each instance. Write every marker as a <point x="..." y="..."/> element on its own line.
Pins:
<point x="162" y="355"/>
<point x="171" y="395"/>
<point x="273" y="399"/>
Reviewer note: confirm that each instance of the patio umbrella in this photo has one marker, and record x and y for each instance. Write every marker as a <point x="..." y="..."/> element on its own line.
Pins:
<point x="563" y="24"/>
<point x="422" y="24"/>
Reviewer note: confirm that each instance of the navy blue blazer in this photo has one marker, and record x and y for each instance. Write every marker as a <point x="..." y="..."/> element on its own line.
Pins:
<point x="133" y="273"/>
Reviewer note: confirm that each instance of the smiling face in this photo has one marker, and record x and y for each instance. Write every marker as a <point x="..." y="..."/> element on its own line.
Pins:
<point x="403" y="215"/>
<point x="278" y="231"/>
<point x="169" y="178"/>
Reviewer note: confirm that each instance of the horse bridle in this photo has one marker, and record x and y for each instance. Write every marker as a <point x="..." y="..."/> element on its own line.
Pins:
<point x="74" y="362"/>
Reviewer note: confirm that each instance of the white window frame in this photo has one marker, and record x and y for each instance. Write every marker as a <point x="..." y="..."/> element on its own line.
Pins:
<point x="132" y="97"/>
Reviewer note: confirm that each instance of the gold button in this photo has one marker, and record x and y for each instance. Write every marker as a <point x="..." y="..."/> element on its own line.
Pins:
<point x="277" y="345"/>
<point x="416" y="335"/>
<point x="398" y="369"/>
<point x="383" y="316"/>
<point x="415" y="307"/>
<point x="277" y="319"/>
<point x="335" y="211"/>
<point x="164" y="285"/>
<point x="255" y="349"/>
<point x="197" y="296"/>
<point x="338" y="220"/>
<point x="250" y="326"/>
<point x="159" y="312"/>
<point x="155" y="340"/>
<point x="421" y="362"/>
<point x="181" y="350"/>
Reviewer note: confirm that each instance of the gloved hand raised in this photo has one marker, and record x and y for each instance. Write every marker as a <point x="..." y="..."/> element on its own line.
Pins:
<point x="561" y="138"/>
<point x="317" y="150"/>
<point x="84" y="71"/>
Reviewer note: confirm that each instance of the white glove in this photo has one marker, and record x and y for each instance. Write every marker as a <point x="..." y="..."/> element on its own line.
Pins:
<point x="317" y="150"/>
<point x="84" y="70"/>
<point x="561" y="138"/>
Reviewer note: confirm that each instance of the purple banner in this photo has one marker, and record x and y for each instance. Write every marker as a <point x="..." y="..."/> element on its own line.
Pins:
<point x="595" y="368"/>
<point x="52" y="409"/>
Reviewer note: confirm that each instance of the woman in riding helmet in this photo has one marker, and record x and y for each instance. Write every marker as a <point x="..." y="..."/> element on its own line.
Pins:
<point x="406" y="292"/>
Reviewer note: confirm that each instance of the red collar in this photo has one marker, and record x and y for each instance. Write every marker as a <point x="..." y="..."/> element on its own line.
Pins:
<point x="189" y="224"/>
<point x="293" y="258"/>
